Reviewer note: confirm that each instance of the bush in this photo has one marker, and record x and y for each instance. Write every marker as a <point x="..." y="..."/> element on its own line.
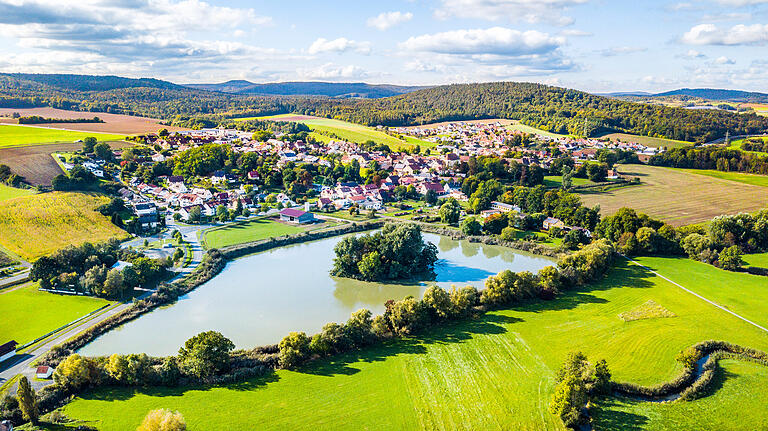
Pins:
<point x="205" y="354"/>
<point x="294" y="349"/>
<point x="163" y="420"/>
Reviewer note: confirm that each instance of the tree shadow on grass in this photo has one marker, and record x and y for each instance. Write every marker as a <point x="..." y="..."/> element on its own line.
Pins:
<point x="455" y="332"/>
<point x="122" y="393"/>
<point x="607" y="416"/>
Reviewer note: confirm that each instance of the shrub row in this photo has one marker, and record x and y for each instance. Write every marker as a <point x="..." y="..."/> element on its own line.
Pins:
<point x="212" y="264"/>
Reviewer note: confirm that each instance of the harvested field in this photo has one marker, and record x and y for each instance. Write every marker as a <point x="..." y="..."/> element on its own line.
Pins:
<point x="113" y="123"/>
<point x="33" y="226"/>
<point x="35" y="163"/>
<point x="678" y="197"/>
<point x="647" y="140"/>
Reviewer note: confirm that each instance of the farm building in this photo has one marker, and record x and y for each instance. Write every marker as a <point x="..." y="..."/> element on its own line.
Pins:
<point x="291" y="215"/>
<point x="44" y="372"/>
<point x="8" y="350"/>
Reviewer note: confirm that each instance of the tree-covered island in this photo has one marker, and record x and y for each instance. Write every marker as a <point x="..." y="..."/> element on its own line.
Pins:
<point x="395" y="252"/>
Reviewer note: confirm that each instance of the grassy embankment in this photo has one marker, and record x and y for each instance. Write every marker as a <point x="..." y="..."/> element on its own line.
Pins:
<point x="7" y="192"/>
<point x="252" y="230"/>
<point x="17" y="136"/>
<point x="29" y="313"/>
<point x="33" y="226"/>
<point x="496" y="372"/>
<point x="678" y="197"/>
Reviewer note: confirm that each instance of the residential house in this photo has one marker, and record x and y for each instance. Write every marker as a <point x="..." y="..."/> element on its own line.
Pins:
<point x="44" y="372"/>
<point x="551" y="222"/>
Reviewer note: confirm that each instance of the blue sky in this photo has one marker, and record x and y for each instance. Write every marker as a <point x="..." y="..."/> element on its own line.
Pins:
<point x="593" y="45"/>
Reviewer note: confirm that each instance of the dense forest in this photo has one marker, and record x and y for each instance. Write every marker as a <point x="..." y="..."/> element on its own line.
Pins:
<point x="721" y="159"/>
<point x="553" y="109"/>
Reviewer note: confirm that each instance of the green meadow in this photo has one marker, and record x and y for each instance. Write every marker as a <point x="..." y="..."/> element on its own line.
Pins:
<point x="252" y="230"/>
<point x="757" y="259"/>
<point x="16" y="136"/>
<point x="350" y="132"/>
<point x="493" y="372"/>
<point x="755" y="180"/>
<point x="8" y="192"/>
<point x="29" y="313"/>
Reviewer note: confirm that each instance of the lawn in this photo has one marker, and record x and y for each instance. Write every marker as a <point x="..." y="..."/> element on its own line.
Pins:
<point x="7" y="192"/>
<point x="556" y="181"/>
<point x="496" y="372"/>
<point x="758" y="259"/>
<point x="755" y="180"/>
<point x="33" y="226"/>
<point x="678" y="197"/>
<point x="647" y="140"/>
<point x="16" y="136"/>
<point x="248" y="231"/>
<point x="348" y="131"/>
<point x="29" y="313"/>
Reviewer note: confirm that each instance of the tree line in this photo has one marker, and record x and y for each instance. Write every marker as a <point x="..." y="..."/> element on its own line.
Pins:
<point x="713" y="157"/>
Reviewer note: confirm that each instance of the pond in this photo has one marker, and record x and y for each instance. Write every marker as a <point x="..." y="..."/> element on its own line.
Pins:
<point x="258" y="299"/>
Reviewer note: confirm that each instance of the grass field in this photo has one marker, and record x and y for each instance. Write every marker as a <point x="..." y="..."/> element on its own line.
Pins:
<point x="112" y="123"/>
<point x="737" y="145"/>
<point x="755" y="180"/>
<point x="17" y="136"/>
<point x="348" y="131"/>
<point x="532" y="130"/>
<point x="556" y="181"/>
<point x="34" y="226"/>
<point x="758" y="259"/>
<point x="252" y="230"/>
<point x="678" y="197"/>
<point x="7" y="192"/>
<point x="647" y="140"/>
<point x="29" y="313"/>
<point x="496" y="372"/>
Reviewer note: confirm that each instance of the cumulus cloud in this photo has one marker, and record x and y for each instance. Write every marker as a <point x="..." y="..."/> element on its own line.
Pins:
<point x="135" y="33"/>
<point x="692" y="54"/>
<point x="724" y="60"/>
<point x="386" y="20"/>
<point x="330" y="71"/>
<point x="741" y="34"/>
<point x="494" y="41"/>
<point x="532" y="11"/>
<point x="342" y="44"/>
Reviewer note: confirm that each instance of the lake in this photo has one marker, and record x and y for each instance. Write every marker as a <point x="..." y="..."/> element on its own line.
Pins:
<point x="258" y="299"/>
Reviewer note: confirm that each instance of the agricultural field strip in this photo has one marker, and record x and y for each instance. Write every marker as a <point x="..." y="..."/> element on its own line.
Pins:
<point x="697" y="295"/>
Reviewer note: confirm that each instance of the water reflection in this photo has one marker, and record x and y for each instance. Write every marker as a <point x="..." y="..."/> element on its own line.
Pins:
<point x="258" y="299"/>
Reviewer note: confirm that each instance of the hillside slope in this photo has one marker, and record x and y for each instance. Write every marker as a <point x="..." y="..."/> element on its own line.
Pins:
<point x="328" y="89"/>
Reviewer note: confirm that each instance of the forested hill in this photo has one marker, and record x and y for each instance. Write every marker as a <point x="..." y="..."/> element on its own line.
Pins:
<point x="328" y="89"/>
<point x="718" y="95"/>
<point x="554" y="109"/>
<point x="92" y="82"/>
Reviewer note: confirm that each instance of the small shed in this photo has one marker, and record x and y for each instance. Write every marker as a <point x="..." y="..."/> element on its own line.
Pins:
<point x="44" y="372"/>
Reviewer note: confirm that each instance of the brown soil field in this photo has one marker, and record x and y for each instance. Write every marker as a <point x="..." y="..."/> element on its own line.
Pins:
<point x="35" y="163"/>
<point x="113" y="123"/>
<point x="504" y="122"/>
<point x="677" y="197"/>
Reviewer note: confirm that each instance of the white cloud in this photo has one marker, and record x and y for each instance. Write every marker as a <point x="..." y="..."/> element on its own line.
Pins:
<point x="741" y="34"/>
<point x="724" y="60"/>
<point x="532" y="11"/>
<point x="342" y="44"/>
<point x="619" y="50"/>
<point x="575" y="33"/>
<point x="692" y="54"/>
<point x="492" y="41"/>
<point x="741" y="3"/>
<point x="386" y="20"/>
<point x="332" y="71"/>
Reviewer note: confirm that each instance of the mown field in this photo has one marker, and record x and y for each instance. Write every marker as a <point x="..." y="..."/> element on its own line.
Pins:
<point x="7" y="192"/>
<point x="532" y="130"/>
<point x="496" y="372"/>
<point x="348" y="131"/>
<point x="557" y="181"/>
<point x="755" y="180"/>
<point x="29" y="313"/>
<point x="253" y="230"/>
<point x="647" y="140"/>
<point x="738" y="143"/>
<point x="112" y="123"/>
<point x="759" y="260"/>
<point x="678" y="197"/>
<point x="34" y="226"/>
<point x="16" y="136"/>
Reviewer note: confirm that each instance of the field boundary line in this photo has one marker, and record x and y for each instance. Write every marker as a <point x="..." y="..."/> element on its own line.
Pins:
<point x="697" y="295"/>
